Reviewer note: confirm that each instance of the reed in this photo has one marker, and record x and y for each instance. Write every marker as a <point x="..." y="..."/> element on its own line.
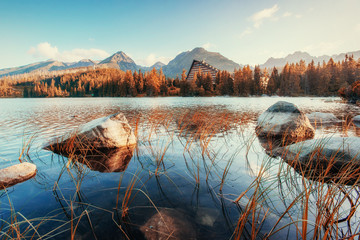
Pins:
<point x="320" y="199"/>
<point x="310" y="204"/>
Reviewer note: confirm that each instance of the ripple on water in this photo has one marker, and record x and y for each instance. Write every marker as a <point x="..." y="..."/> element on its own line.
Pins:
<point x="22" y="119"/>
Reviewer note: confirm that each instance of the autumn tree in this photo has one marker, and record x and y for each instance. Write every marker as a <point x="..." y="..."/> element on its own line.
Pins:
<point x="257" y="80"/>
<point x="273" y="83"/>
<point x="152" y="83"/>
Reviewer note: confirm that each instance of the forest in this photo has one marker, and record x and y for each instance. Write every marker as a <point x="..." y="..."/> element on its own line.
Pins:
<point x="296" y="79"/>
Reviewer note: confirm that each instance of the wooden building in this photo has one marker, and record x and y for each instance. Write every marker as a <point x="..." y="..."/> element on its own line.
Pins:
<point x="203" y="67"/>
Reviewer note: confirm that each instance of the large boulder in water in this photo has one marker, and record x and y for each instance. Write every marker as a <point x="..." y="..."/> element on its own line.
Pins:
<point x="16" y="174"/>
<point x="284" y="122"/>
<point x="168" y="224"/>
<point x="332" y="159"/>
<point x="103" y="133"/>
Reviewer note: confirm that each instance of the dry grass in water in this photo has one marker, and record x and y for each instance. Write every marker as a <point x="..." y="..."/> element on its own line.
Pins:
<point x="304" y="202"/>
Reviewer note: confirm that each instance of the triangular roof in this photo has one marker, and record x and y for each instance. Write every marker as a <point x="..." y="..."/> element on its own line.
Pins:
<point x="203" y="63"/>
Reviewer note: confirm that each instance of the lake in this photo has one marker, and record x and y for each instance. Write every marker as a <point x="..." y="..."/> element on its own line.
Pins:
<point x="194" y="172"/>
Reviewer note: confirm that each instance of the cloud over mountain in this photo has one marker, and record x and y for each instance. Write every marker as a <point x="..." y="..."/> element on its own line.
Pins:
<point x="259" y="17"/>
<point x="46" y="50"/>
<point x="152" y="59"/>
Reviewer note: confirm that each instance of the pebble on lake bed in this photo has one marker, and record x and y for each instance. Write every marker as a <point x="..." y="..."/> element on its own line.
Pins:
<point x="16" y="174"/>
<point x="168" y="224"/>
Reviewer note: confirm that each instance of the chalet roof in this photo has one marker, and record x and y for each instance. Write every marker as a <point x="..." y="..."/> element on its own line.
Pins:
<point x="209" y="69"/>
<point x="205" y="64"/>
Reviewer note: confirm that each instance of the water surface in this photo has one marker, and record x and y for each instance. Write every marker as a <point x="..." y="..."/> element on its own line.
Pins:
<point x="188" y="180"/>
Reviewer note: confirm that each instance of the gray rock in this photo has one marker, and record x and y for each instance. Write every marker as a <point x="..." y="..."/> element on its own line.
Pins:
<point x="322" y="118"/>
<point x="356" y="119"/>
<point x="284" y="121"/>
<point x="16" y="174"/>
<point x="284" y="107"/>
<point x="168" y="224"/>
<point x="108" y="132"/>
<point x="336" y="159"/>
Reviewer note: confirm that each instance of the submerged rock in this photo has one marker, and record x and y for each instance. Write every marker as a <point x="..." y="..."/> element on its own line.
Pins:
<point x="108" y="132"/>
<point x="332" y="159"/>
<point x="284" y="122"/>
<point x="206" y="216"/>
<point x="322" y="118"/>
<point x="16" y="174"/>
<point x="168" y="224"/>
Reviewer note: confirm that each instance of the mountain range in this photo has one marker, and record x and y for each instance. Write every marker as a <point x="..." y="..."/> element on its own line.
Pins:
<point x="297" y="56"/>
<point x="182" y="61"/>
<point x="46" y="66"/>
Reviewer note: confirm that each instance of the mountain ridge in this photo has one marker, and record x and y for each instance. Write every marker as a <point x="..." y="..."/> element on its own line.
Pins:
<point x="299" y="55"/>
<point x="47" y="66"/>
<point x="119" y="60"/>
<point x="181" y="61"/>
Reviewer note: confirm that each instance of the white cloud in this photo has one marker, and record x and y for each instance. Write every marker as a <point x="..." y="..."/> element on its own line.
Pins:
<point x="246" y="32"/>
<point x="45" y="50"/>
<point x="259" y="17"/>
<point x="151" y="59"/>
<point x="287" y="14"/>
<point x="208" y="45"/>
<point x="298" y="16"/>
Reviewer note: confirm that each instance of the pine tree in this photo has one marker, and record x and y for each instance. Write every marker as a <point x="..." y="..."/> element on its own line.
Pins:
<point x="273" y="84"/>
<point x="208" y="84"/>
<point x="153" y="83"/>
<point x="237" y="82"/>
<point x="184" y="88"/>
<point x="257" y="79"/>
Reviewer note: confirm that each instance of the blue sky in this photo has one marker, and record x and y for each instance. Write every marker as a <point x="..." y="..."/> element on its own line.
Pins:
<point x="247" y="32"/>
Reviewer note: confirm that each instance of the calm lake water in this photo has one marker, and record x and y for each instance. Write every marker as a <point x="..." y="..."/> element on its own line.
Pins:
<point x="170" y="168"/>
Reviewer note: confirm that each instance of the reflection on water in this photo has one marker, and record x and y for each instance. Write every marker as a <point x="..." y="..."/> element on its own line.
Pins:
<point x="193" y="154"/>
<point x="114" y="160"/>
<point x="106" y="160"/>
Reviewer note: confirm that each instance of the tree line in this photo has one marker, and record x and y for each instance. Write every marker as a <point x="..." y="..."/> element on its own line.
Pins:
<point x="296" y="79"/>
<point x="104" y="82"/>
